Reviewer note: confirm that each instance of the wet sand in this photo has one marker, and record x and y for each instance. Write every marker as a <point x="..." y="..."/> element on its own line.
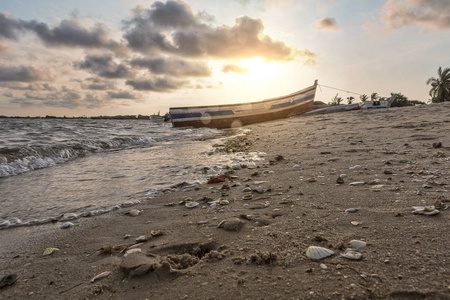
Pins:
<point x="258" y="251"/>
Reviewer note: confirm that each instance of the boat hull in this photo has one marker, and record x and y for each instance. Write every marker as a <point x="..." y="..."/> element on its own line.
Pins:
<point x="236" y="115"/>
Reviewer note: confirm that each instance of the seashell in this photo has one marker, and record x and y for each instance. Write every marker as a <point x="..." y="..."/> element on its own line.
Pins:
<point x="343" y="176"/>
<point x="66" y="225"/>
<point x="296" y="167"/>
<point x="351" y="210"/>
<point x="315" y="252"/>
<point x="358" y="244"/>
<point x="311" y="179"/>
<point x="247" y="190"/>
<point x="355" y="223"/>
<point x="141" y="239"/>
<point x="351" y="254"/>
<point x="100" y="276"/>
<point x="135" y="246"/>
<point x="247" y="197"/>
<point x="49" y="251"/>
<point x="134" y="212"/>
<point x="134" y="250"/>
<point x="323" y="266"/>
<point x="191" y="204"/>
<point x="259" y="190"/>
<point x="339" y="180"/>
<point x="425" y="210"/>
<point x="155" y="233"/>
<point x="357" y="183"/>
<point x="224" y="202"/>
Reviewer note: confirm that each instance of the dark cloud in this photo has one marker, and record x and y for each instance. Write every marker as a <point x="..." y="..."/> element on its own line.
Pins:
<point x="28" y="87"/>
<point x="104" y="66"/>
<point x="22" y="73"/>
<point x="155" y="85"/>
<point x="57" y="99"/>
<point x="121" y="95"/>
<point x="69" y="33"/>
<point x="234" y="69"/>
<point x="172" y="14"/>
<point x="93" y="101"/>
<point x="327" y="24"/>
<point x="97" y="84"/>
<point x="10" y="28"/>
<point x="432" y="14"/>
<point x="173" y="28"/>
<point x="173" y="67"/>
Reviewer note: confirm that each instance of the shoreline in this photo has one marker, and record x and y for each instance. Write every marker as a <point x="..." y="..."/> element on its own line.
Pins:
<point x="259" y="249"/>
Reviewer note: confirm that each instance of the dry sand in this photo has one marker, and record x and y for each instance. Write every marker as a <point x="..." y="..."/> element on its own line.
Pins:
<point x="262" y="254"/>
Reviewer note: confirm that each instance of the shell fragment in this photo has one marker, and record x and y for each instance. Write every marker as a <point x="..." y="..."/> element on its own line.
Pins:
<point x="315" y="252"/>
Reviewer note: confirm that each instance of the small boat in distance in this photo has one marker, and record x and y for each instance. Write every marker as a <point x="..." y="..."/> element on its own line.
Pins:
<point x="376" y="104"/>
<point x="236" y="115"/>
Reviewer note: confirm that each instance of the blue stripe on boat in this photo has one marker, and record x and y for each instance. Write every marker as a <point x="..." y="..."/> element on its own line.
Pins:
<point x="186" y="115"/>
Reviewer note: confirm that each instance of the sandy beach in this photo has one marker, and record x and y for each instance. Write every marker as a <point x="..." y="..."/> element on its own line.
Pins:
<point x="326" y="180"/>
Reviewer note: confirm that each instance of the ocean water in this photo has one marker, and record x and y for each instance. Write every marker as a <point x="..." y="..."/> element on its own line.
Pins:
<point x="59" y="169"/>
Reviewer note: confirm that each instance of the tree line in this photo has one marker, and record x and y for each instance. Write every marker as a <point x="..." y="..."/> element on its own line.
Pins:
<point x="439" y="92"/>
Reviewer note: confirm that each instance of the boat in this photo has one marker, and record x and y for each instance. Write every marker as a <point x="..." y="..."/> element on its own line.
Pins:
<point x="376" y="104"/>
<point x="237" y="115"/>
<point x="334" y="108"/>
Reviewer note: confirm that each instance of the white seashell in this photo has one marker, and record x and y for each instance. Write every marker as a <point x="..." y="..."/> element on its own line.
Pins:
<point x="66" y="225"/>
<point x="323" y="266"/>
<point x="343" y="176"/>
<point x="134" y="212"/>
<point x="315" y="252"/>
<point x="358" y="244"/>
<point x="357" y="183"/>
<point x="100" y="276"/>
<point x="191" y="204"/>
<point x="351" y="254"/>
<point x="134" y="250"/>
<point x="141" y="239"/>
<point x="49" y="251"/>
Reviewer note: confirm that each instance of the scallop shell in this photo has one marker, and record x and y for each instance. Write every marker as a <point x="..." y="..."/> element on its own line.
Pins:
<point x="191" y="204"/>
<point x="49" y="251"/>
<point x="315" y="252"/>
<point x="351" y="254"/>
<point x="358" y="244"/>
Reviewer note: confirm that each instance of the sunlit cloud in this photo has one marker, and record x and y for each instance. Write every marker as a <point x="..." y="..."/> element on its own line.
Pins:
<point x="172" y="67"/>
<point x="22" y="73"/>
<point x="233" y="68"/>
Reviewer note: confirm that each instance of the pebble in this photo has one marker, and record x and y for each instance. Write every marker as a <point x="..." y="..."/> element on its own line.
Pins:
<point x="323" y="266"/>
<point x="259" y="190"/>
<point x="343" y="175"/>
<point x="66" y="225"/>
<point x="134" y="212"/>
<point x="339" y="180"/>
<point x="357" y="167"/>
<point x="351" y="210"/>
<point x="296" y="166"/>
<point x="357" y="183"/>
<point x="247" y="190"/>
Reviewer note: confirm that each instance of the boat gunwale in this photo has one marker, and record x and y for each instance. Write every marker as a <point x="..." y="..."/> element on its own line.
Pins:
<point x="249" y="103"/>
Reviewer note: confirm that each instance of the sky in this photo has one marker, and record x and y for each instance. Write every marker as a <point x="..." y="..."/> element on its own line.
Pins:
<point x="129" y="57"/>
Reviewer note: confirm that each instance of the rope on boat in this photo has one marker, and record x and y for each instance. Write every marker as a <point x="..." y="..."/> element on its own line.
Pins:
<point x="338" y="89"/>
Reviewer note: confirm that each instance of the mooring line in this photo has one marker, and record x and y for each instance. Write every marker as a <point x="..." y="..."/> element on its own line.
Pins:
<point x="330" y="87"/>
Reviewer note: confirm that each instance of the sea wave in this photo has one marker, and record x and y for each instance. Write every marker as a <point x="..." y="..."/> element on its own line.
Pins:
<point x="18" y="160"/>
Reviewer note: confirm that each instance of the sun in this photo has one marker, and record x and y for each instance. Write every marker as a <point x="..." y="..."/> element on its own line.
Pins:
<point x="259" y="70"/>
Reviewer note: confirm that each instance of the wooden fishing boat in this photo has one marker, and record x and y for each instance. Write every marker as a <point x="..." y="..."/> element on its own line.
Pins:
<point x="376" y="104"/>
<point x="236" y="115"/>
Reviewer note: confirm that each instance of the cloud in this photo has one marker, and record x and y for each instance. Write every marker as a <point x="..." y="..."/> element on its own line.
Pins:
<point x="22" y="73"/>
<point x="172" y="28"/>
<point x="233" y="68"/>
<point x="121" y="95"/>
<point x="57" y="99"/>
<point x="28" y="87"/>
<point x="10" y="28"/>
<point x="431" y="14"/>
<point x="173" y="67"/>
<point x="156" y="85"/>
<point x="67" y="33"/>
<point x="329" y="24"/>
<point x="104" y="66"/>
<point x="97" y="84"/>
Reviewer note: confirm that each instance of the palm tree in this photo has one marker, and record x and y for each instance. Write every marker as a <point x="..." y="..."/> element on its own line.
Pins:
<point x="336" y="100"/>
<point x="350" y="99"/>
<point x="363" y="98"/>
<point x="440" y="87"/>
<point x="374" y="96"/>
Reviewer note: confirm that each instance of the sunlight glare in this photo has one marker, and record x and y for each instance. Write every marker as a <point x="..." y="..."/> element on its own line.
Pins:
<point x="259" y="70"/>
